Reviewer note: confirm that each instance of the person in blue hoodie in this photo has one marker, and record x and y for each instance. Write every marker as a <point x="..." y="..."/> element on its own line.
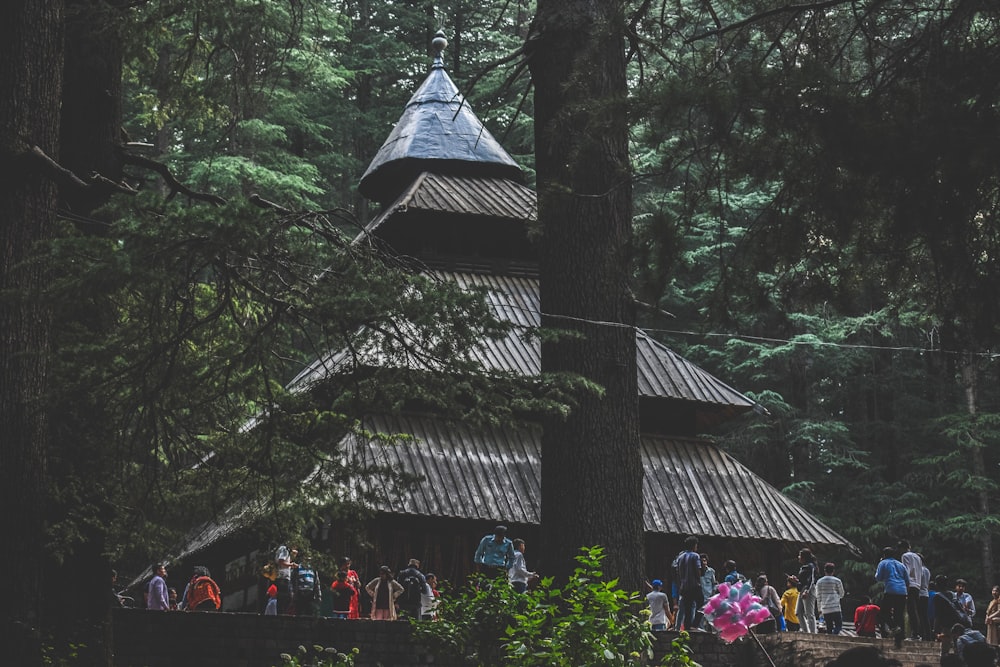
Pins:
<point x="891" y="573"/>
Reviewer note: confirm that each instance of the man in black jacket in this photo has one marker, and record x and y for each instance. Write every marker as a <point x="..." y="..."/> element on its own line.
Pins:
<point x="414" y="585"/>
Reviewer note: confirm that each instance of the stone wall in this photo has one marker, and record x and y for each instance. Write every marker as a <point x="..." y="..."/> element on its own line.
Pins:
<point x="202" y="639"/>
<point x="795" y="649"/>
<point x="158" y="639"/>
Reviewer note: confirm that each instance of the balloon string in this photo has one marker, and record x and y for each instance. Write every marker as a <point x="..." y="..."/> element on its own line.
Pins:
<point x="762" y="649"/>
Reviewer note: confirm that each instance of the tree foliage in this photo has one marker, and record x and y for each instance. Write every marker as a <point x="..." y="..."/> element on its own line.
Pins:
<point x="816" y="196"/>
<point x="589" y="620"/>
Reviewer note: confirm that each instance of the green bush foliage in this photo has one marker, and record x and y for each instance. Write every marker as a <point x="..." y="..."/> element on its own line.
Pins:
<point x="588" y="622"/>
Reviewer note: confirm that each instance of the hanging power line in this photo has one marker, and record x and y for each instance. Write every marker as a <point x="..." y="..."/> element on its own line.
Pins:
<point x="762" y="339"/>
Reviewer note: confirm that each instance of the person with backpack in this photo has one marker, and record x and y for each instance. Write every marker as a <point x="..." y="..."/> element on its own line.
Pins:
<point x="947" y="613"/>
<point x="305" y="588"/>
<point x="201" y="592"/>
<point x="414" y="585"/>
<point x="866" y="618"/>
<point x="733" y="575"/>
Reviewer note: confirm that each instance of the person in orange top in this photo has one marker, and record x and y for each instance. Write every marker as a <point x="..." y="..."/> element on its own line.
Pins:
<point x="202" y="593"/>
<point x="352" y="579"/>
<point x="345" y="596"/>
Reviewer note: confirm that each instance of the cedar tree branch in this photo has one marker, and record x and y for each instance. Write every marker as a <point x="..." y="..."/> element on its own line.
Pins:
<point x="793" y="9"/>
<point x="175" y="185"/>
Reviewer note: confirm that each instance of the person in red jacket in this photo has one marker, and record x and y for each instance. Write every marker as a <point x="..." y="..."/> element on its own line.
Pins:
<point x="866" y="618"/>
<point x="345" y="596"/>
<point x="202" y="593"/>
<point x="344" y="565"/>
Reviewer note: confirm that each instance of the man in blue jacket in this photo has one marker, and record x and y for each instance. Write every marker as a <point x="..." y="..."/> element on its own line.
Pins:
<point x="495" y="552"/>
<point x="891" y="573"/>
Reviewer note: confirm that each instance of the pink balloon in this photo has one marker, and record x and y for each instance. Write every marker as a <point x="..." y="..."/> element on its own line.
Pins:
<point x="733" y="632"/>
<point x="710" y="607"/>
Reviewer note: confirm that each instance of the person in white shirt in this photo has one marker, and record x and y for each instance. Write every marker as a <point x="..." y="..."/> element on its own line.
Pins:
<point x="925" y="601"/>
<point x="964" y="599"/>
<point x="518" y="574"/>
<point x="829" y="591"/>
<point x="658" y="602"/>
<point x="429" y="599"/>
<point x="915" y="612"/>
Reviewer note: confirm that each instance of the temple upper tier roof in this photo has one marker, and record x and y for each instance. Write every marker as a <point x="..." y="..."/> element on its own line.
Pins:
<point x="438" y="132"/>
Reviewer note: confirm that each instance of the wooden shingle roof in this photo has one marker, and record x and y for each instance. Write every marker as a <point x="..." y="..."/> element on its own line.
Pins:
<point x="662" y="372"/>
<point x="690" y="487"/>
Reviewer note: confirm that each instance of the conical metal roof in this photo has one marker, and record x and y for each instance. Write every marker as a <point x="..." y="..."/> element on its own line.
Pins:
<point x="438" y="133"/>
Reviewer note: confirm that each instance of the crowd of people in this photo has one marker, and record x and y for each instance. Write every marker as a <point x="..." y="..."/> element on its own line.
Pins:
<point x="912" y="605"/>
<point x="410" y="593"/>
<point x="294" y="587"/>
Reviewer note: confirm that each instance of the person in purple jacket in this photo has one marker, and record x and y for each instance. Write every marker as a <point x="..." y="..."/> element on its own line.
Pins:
<point x="156" y="590"/>
<point x="891" y="573"/>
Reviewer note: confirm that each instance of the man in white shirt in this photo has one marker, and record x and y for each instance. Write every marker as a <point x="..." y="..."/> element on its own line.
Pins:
<point x="925" y="600"/>
<point x="518" y="574"/>
<point x="284" y="561"/>
<point x="829" y="591"/>
<point x="964" y="599"/>
<point x="915" y="612"/>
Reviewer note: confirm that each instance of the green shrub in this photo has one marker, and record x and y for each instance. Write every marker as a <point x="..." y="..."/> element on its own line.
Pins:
<point x="589" y="622"/>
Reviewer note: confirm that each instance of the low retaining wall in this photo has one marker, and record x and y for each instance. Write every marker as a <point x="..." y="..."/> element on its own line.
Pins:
<point x="165" y="639"/>
<point x="203" y="639"/>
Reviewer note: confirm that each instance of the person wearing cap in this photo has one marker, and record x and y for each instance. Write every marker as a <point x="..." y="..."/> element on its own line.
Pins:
<point x="966" y="640"/>
<point x="658" y="602"/>
<point x="495" y="552"/>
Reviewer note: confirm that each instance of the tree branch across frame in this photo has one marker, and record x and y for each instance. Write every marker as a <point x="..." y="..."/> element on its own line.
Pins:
<point x="787" y="9"/>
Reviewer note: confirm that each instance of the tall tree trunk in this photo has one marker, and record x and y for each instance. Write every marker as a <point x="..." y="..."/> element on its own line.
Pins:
<point x="591" y="465"/>
<point x="31" y="43"/>
<point x="970" y="382"/>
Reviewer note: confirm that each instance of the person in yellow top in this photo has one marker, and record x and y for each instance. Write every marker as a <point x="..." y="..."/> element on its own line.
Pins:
<point x="789" y="599"/>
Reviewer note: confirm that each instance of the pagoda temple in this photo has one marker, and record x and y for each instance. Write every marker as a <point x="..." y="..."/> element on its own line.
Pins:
<point x="454" y="200"/>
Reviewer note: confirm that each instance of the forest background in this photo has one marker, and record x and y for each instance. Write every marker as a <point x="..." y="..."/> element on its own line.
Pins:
<point x="815" y="199"/>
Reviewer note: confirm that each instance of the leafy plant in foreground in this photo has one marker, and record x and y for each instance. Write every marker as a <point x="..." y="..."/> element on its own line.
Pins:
<point x="588" y="622"/>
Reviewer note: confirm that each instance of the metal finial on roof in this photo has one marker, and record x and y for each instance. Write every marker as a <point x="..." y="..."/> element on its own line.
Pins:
<point x="439" y="43"/>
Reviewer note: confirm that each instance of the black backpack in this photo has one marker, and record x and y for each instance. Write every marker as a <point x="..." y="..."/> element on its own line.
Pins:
<point x="413" y="589"/>
<point x="305" y="582"/>
<point x="946" y="604"/>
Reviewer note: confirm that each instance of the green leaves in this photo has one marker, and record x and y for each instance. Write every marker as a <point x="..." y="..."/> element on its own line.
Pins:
<point x="588" y="622"/>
